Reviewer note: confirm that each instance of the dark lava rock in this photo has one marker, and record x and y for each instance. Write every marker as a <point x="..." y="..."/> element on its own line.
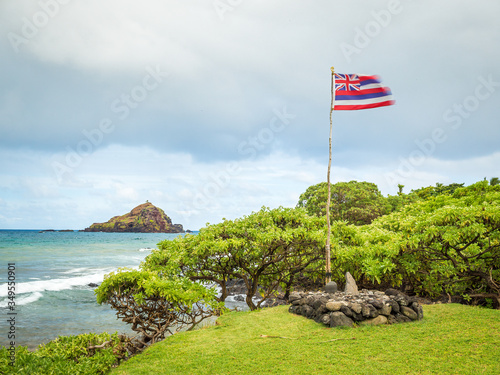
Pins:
<point x="325" y="319"/>
<point x="376" y="303"/>
<point x="293" y="309"/>
<point x="338" y="319"/>
<point x="373" y="311"/>
<point x="418" y="309"/>
<point x="346" y="310"/>
<point x="402" y="318"/>
<point x="294" y="296"/>
<point x="408" y="312"/>
<point x="394" y="305"/>
<point x="320" y="301"/>
<point x="392" y="292"/>
<point x="401" y="299"/>
<point x="307" y="311"/>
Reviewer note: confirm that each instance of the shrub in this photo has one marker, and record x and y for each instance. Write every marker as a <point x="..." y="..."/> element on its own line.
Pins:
<point x="445" y="244"/>
<point x="156" y="305"/>
<point x="88" y="353"/>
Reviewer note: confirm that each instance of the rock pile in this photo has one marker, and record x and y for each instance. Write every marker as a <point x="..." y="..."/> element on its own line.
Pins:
<point x="366" y="307"/>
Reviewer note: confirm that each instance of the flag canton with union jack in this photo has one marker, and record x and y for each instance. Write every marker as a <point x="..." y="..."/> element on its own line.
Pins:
<point x="346" y="82"/>
<point x="359" y="91"/>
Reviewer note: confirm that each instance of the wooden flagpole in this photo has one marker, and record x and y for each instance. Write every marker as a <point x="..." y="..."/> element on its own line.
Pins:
<point x="328" y="272"/>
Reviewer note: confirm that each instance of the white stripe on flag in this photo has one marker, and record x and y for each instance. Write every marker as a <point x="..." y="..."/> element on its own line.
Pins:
<point x="373" y="86"/>
<point x="363" y="101"/>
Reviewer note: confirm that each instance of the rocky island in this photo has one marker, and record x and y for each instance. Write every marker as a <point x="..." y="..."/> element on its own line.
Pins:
<point x="145" y="218"/>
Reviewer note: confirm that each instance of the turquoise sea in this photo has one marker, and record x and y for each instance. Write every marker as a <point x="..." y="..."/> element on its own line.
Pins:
<point x="53" y="271"/>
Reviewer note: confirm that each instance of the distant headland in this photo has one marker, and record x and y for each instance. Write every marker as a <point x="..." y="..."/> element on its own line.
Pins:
<point x="145" y="218"/>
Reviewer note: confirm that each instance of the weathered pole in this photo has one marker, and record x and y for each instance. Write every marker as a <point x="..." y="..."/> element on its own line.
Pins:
<point x="328" y="273"/>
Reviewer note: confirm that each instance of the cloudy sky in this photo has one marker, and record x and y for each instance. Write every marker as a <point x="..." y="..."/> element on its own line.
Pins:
<point x="213" y="109"/>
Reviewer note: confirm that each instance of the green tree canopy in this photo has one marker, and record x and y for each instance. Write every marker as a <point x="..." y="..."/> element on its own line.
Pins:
<point x="444" y="244"/>
<point x="266" y="249"/>
<point x="155" y="304"/>
<point x="356" y="202"/>
<point x="434" y="191"/>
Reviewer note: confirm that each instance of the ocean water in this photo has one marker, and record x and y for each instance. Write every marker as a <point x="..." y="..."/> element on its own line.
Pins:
<point x="53" y="271"/>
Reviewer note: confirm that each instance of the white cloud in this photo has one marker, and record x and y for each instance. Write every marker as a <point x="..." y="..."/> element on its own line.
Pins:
<point x="192" y="193"/>
<point x="179" y="147"/>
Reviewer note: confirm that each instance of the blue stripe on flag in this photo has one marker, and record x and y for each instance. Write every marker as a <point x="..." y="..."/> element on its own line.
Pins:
<point x="365" y="82"/>
<point x="362" y="96"/>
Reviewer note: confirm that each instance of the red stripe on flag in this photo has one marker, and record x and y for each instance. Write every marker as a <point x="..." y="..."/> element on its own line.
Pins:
<point x="362" y="92"/>
<point x="350" y="107"/>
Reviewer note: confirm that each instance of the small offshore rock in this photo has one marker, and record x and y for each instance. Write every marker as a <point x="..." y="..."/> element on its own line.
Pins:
<point x="338" y="319"/>
<point x="350" y="285"/>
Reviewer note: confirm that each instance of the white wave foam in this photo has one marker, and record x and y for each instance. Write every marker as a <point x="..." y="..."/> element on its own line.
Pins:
<point x="56" y="284"/>
<point x="76" y="270"/>
<point x="23" y="300"/>
<point x="145" y="249"/>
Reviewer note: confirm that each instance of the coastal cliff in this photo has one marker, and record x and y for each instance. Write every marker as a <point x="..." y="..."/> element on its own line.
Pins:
<point x="145" y="218"/>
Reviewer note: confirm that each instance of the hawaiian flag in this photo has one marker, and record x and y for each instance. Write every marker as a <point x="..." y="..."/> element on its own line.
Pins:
<point x="359" y="91"/>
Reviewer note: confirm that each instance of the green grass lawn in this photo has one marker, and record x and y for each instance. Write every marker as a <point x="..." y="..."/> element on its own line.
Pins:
<point x="451" y="339"/>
